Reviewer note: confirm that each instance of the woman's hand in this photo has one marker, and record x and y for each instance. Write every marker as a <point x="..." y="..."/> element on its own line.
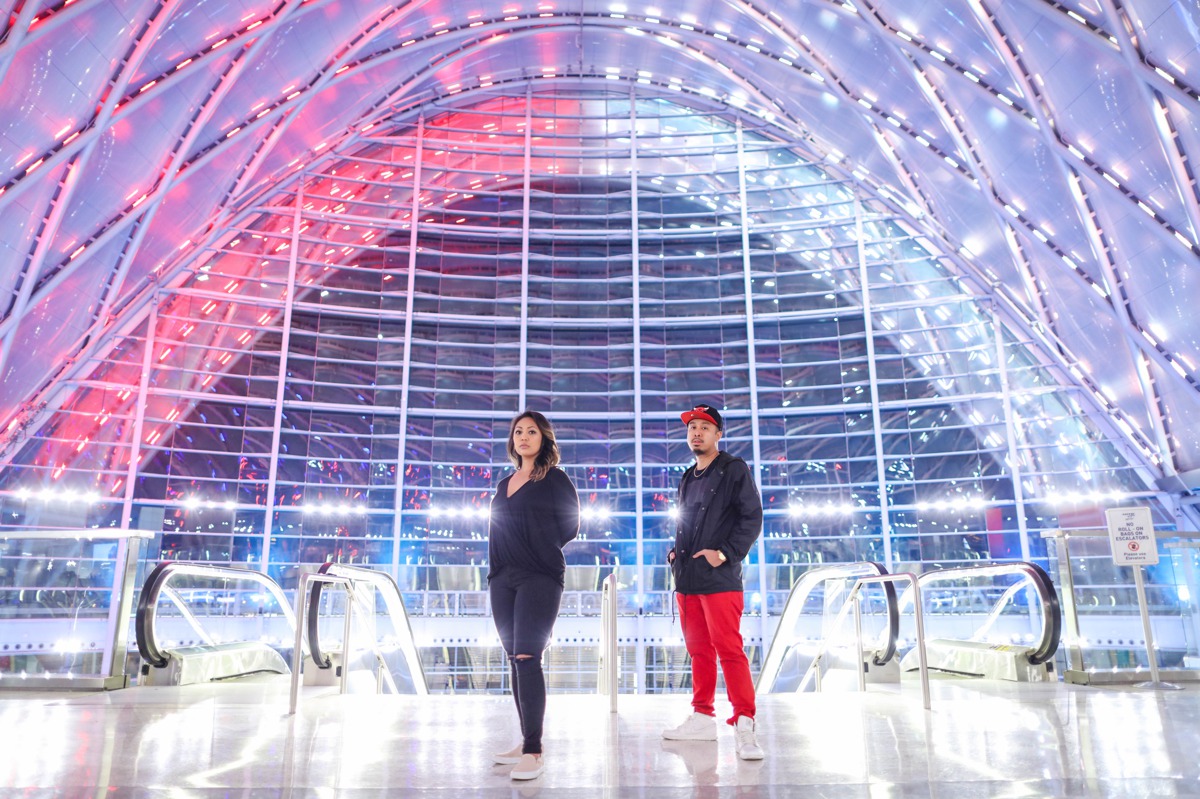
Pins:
<point x="714" y="556"/>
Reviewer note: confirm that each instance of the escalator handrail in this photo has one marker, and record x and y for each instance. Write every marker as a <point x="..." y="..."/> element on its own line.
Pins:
<point x="311" y="623"/>
<point x="147" y="609"/>
<point x="892" y="633"/>
<point x="1047" y="646"/>
<point x="799" y="593"/>
<point x="386" y="585"/>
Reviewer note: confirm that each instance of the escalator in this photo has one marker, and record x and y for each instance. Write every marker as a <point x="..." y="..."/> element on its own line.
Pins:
<point x="996" y="621"/>
<point x="216" y="622"/>
<point x="199" y="623"/>
<point x="799" y="641"/>
<point x="391" y="654"/>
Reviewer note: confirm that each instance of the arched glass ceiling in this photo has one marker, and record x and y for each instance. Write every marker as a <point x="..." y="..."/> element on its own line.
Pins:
<point x="1042" y="148"/>
<point x="333" y="375"/>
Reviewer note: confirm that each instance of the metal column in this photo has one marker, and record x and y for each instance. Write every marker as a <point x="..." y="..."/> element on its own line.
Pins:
<point x="638" y="471"/>
<point x="139" y="419"/>
<point x="864" y="277"/>
<point x="752" y="366"/>
<point x="1010" y="432"/>
<point x="406" y="368"/>
<point x="285" y="343"/>
<point x="526" y="167"/>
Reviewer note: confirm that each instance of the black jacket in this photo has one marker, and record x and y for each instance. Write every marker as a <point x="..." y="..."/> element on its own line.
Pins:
<point x="729" y="520"/>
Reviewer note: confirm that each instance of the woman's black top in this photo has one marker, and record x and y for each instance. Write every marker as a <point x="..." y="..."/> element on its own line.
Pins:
<point x="529" y="529"/>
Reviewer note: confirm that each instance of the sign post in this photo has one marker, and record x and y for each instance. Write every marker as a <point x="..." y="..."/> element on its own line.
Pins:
<point x="1131" y="534"/>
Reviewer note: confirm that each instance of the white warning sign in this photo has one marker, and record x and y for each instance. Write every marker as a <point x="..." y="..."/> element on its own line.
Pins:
<point x="1131" y="533"/>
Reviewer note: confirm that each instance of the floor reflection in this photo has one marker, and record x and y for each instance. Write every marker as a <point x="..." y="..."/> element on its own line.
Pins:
<point x="236" y="739"/>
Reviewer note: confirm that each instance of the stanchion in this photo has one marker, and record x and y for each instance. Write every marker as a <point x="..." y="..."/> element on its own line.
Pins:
<point x="1134" y="544"/>
<point x="610" y="667"/>
<point x="1151" y="650"/>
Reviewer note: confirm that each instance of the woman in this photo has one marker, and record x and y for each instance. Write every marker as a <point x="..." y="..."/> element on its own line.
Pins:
<point x="534" y="514"/>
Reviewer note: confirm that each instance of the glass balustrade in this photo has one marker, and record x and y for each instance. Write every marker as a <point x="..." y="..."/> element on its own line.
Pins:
<point x="65" y="606"/>
<point x="1103" y="633"/>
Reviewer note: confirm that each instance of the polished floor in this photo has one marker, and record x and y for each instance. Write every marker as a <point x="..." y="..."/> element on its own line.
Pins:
<point x="236" y="739"/>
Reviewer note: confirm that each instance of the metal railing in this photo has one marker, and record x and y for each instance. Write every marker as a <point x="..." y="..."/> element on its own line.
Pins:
<point x="158" y="584"/>
<point x="852" y="602"/>
<point x="353" y="580"/>
<point x="386" y="588"/>
<point x="781" y="643"/>
<point x="302" y="609"/>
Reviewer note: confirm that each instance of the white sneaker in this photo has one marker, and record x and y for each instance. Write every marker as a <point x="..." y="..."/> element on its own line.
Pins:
<point x="528" y="768"/>
<point x="747" y="743"/>
<point x="510" y="758"/>
<point x="698" y="727"/>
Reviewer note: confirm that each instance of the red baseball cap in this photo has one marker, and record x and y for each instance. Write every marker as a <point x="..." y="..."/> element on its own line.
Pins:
<point x="706" y="412"/>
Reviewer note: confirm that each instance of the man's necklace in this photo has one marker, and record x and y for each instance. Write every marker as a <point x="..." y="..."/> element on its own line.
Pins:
<point x="700" y="472"/>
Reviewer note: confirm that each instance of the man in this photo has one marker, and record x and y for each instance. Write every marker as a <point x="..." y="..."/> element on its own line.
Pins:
<point x="720" y="517"/>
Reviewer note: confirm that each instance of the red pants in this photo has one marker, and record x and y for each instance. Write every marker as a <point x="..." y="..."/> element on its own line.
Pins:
<point x="712" y="629"/>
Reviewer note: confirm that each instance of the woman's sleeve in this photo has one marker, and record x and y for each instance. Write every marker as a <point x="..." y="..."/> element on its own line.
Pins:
<point x="492" y="507"/>
<point x="566" y="506"/>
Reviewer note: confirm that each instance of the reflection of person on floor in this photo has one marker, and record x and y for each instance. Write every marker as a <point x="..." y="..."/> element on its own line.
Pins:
<point x="699" y="757"/>
<point x="720" y="518"/>
<point x="534" y="513"/>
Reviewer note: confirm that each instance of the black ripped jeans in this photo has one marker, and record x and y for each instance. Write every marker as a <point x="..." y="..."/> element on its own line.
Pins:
<point x="524" y="607"/>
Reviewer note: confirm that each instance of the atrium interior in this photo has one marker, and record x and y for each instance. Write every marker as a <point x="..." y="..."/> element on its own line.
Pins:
<point x="280" y="275"/>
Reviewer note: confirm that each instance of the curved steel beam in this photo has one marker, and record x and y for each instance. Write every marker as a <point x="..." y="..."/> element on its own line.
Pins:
<point x="1185" y="184"/>
<point x="34" y="30"/>
<point x="19" y="32"/>
<point x="1117" y="300"/>
<point x="1172" y="85"/>
<point x="244" y="182"/>
<point x="118" y="82"/>
<point x="485" y="33"/>
<point x="162" y="84"/>
<point x="976" y="173"/>
<point x="1027" y="229"/>
<point x="156" y="196"/>
<point x="997" y="204"/>
<point x="333" y="75"/>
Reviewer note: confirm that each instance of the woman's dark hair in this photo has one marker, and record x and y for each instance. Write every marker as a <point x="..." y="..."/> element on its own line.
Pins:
<point x="547" y="457"/>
